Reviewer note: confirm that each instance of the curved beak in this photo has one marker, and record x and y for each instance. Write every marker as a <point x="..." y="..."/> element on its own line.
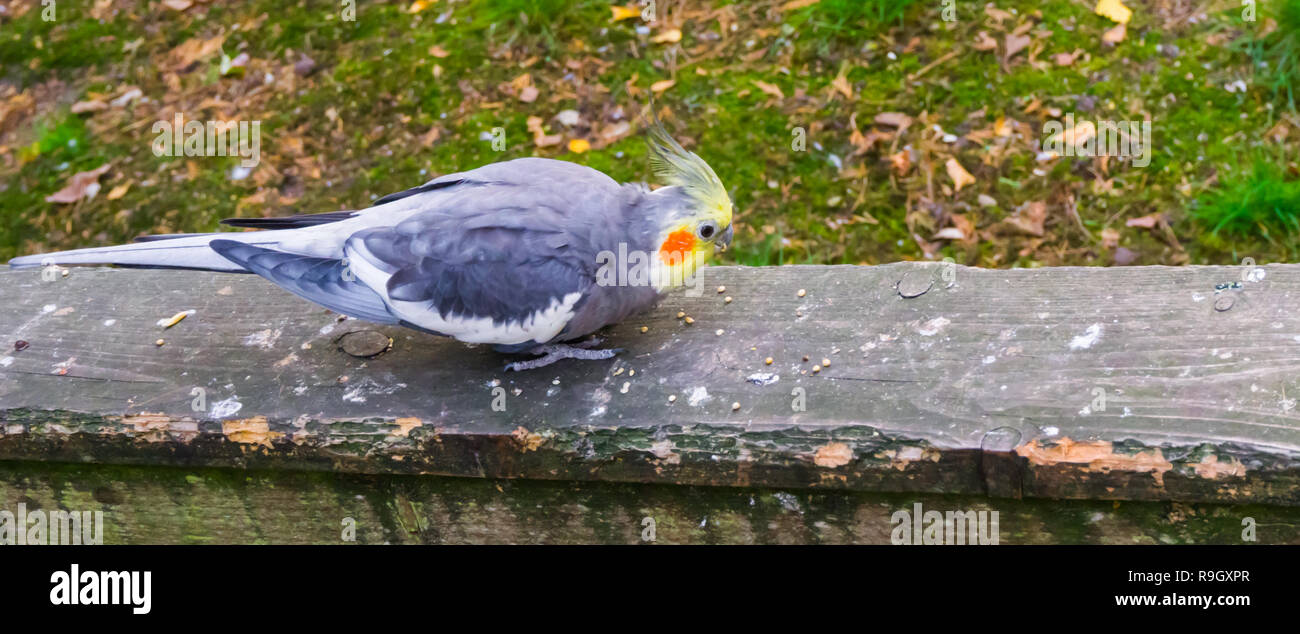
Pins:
<point x="723" y="241"/>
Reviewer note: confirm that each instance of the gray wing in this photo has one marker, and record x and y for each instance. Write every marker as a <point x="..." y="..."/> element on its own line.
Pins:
<point x="325" y="281"/>
<point x="507" y="256"/>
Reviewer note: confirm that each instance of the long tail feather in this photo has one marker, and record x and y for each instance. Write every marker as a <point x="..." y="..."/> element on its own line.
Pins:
<point x="190" y="252"/>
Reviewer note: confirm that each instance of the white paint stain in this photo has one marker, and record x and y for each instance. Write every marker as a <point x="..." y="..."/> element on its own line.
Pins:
<point x="1088" y="339"/>
<point x="263" y="339"/>
<point x="109" y="322"/>
<point x="6" y="362"/>
<point x="932" y="327"/>
<point x="226" y="408"/>
<point x="697" y="396"/>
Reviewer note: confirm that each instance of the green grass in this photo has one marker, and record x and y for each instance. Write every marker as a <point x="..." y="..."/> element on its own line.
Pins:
<point x="1277" y="56"/>
<point x="377" y="76"/>
<point x="1262" y="200"/>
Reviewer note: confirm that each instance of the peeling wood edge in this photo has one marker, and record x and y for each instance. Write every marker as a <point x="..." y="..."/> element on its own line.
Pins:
<point x="856" y="458"/>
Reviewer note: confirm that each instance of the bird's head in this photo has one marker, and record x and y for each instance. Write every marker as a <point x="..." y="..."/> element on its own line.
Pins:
<point x="699" y="220"/>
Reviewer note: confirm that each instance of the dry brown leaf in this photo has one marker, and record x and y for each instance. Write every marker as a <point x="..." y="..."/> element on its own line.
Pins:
<point x="119" y="191"/>
<point x="893" y="119"/>
<point x="798" y="4"/>
<point x="983" y="42"/>
<point x="1028" y="219"/>
<point x="771" y="89"/>
<point x="177" y="5"/>
<point x="194" y="50"/>
<point x="92" y="105"/>
<point x="661" y="86"/>
<point x="1114" y="35"/>
<point x="81" y="185"/>
<point x="669" y="36"/>
<point x="960" y="177"/>
<point x="1015" y="43"/>
<point x="528" y="94"/>
<point x="438" y="51"/>
<point x="949" y="233"/>
<point x="1145" y="222"/>
<point x="579" y="146"/>
<point x="841" y="84"/>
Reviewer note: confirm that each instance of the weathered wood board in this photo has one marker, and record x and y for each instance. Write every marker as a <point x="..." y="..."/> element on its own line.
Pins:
<point x="174" y="505"/>
<point x="1141" y="383"/>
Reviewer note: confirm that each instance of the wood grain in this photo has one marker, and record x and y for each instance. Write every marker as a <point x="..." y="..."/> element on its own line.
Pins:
<point x="987" y="383"/>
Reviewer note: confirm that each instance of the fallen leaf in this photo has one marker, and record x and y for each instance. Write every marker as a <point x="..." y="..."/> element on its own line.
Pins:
<point x="1114" y="35"/>
<point x="1015" y="43"/>
<point x="418" y="6"/>
<point x="949" y="233"/>
<point x="1028" y="219"/>
<point x="661" y="86"/>
<point x="669" y="36"/>
<point x="194" y="50"/>
<point x="841" y="85"/>
<point x="901" y="162"/>
<point x="624" y="13"/>
<point x="893" y="119"/>
<point x="81" y="185"/>
<point x="798" y="4"/>
<point x="1115" y="10"/>
<point x="92" y="105"/>
<point x="118" y="191"/>
<point x="771" y="89"/>
<point x="1145" y="222"/>
<point x="579" y="146"/>
<point x="438" y="51"/>
<point x="177" y="5"/>
<point x="983" y="42"/>
<point x="528" y="94"/>
<point x="960" y="177"/>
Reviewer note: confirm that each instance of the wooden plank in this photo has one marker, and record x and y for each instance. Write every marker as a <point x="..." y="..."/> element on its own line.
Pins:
<point x="173" y="505"/>
<point x="982" y="382"/>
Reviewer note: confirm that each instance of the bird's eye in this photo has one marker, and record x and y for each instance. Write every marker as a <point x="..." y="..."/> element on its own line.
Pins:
<point x="707" y="230"/>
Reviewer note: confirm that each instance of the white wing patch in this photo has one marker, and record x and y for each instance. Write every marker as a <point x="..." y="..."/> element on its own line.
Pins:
<point x="541" y="326"/>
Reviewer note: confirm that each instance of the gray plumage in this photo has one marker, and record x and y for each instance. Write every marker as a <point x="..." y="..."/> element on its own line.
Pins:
<point x="504" y="254"/>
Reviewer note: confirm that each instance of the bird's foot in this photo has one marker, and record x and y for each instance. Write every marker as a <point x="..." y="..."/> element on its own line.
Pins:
<point x="553" y="352"/>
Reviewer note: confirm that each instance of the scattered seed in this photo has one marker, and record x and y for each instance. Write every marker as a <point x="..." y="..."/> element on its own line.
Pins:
<point x="690" y="320"/>
<point x="159" y="342"/>
<point x="680" y="314"/>
<point x="343" y="379"/>
<point x="768" y="361"/>
<point x="802" y="292"/>
<point x="618" y="371"/>
<point x="805" y="358"/>
<point x="672" y="397"/>
<point x="816" y="369"/>
<point x="826" y="363"/>
<point x="718" y="332"/>
<point x="645" y="329"/>
<point x="20" y="345"/>
<point x="64" y="272"/>
<point x="735" y="406"/>
<point x="626" y="386"/>
<point x="631" y="372"/>
<point x="798" y="312"/>
<point x="722" y="289"/>
<point x="726" y="300"/>
<point x="174" y="319"/>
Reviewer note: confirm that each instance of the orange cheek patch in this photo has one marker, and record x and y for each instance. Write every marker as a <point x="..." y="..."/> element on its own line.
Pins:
<point x="676" y="246"/>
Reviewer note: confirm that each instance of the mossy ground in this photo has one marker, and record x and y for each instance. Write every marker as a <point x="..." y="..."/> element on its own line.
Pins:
<point x="361" y="122"/>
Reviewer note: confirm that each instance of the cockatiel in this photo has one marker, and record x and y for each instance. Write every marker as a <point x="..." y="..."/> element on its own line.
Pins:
<point x="519" y="254"/>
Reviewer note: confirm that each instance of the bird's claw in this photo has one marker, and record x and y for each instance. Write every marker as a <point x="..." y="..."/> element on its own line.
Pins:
<point x="557" y="351"/>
